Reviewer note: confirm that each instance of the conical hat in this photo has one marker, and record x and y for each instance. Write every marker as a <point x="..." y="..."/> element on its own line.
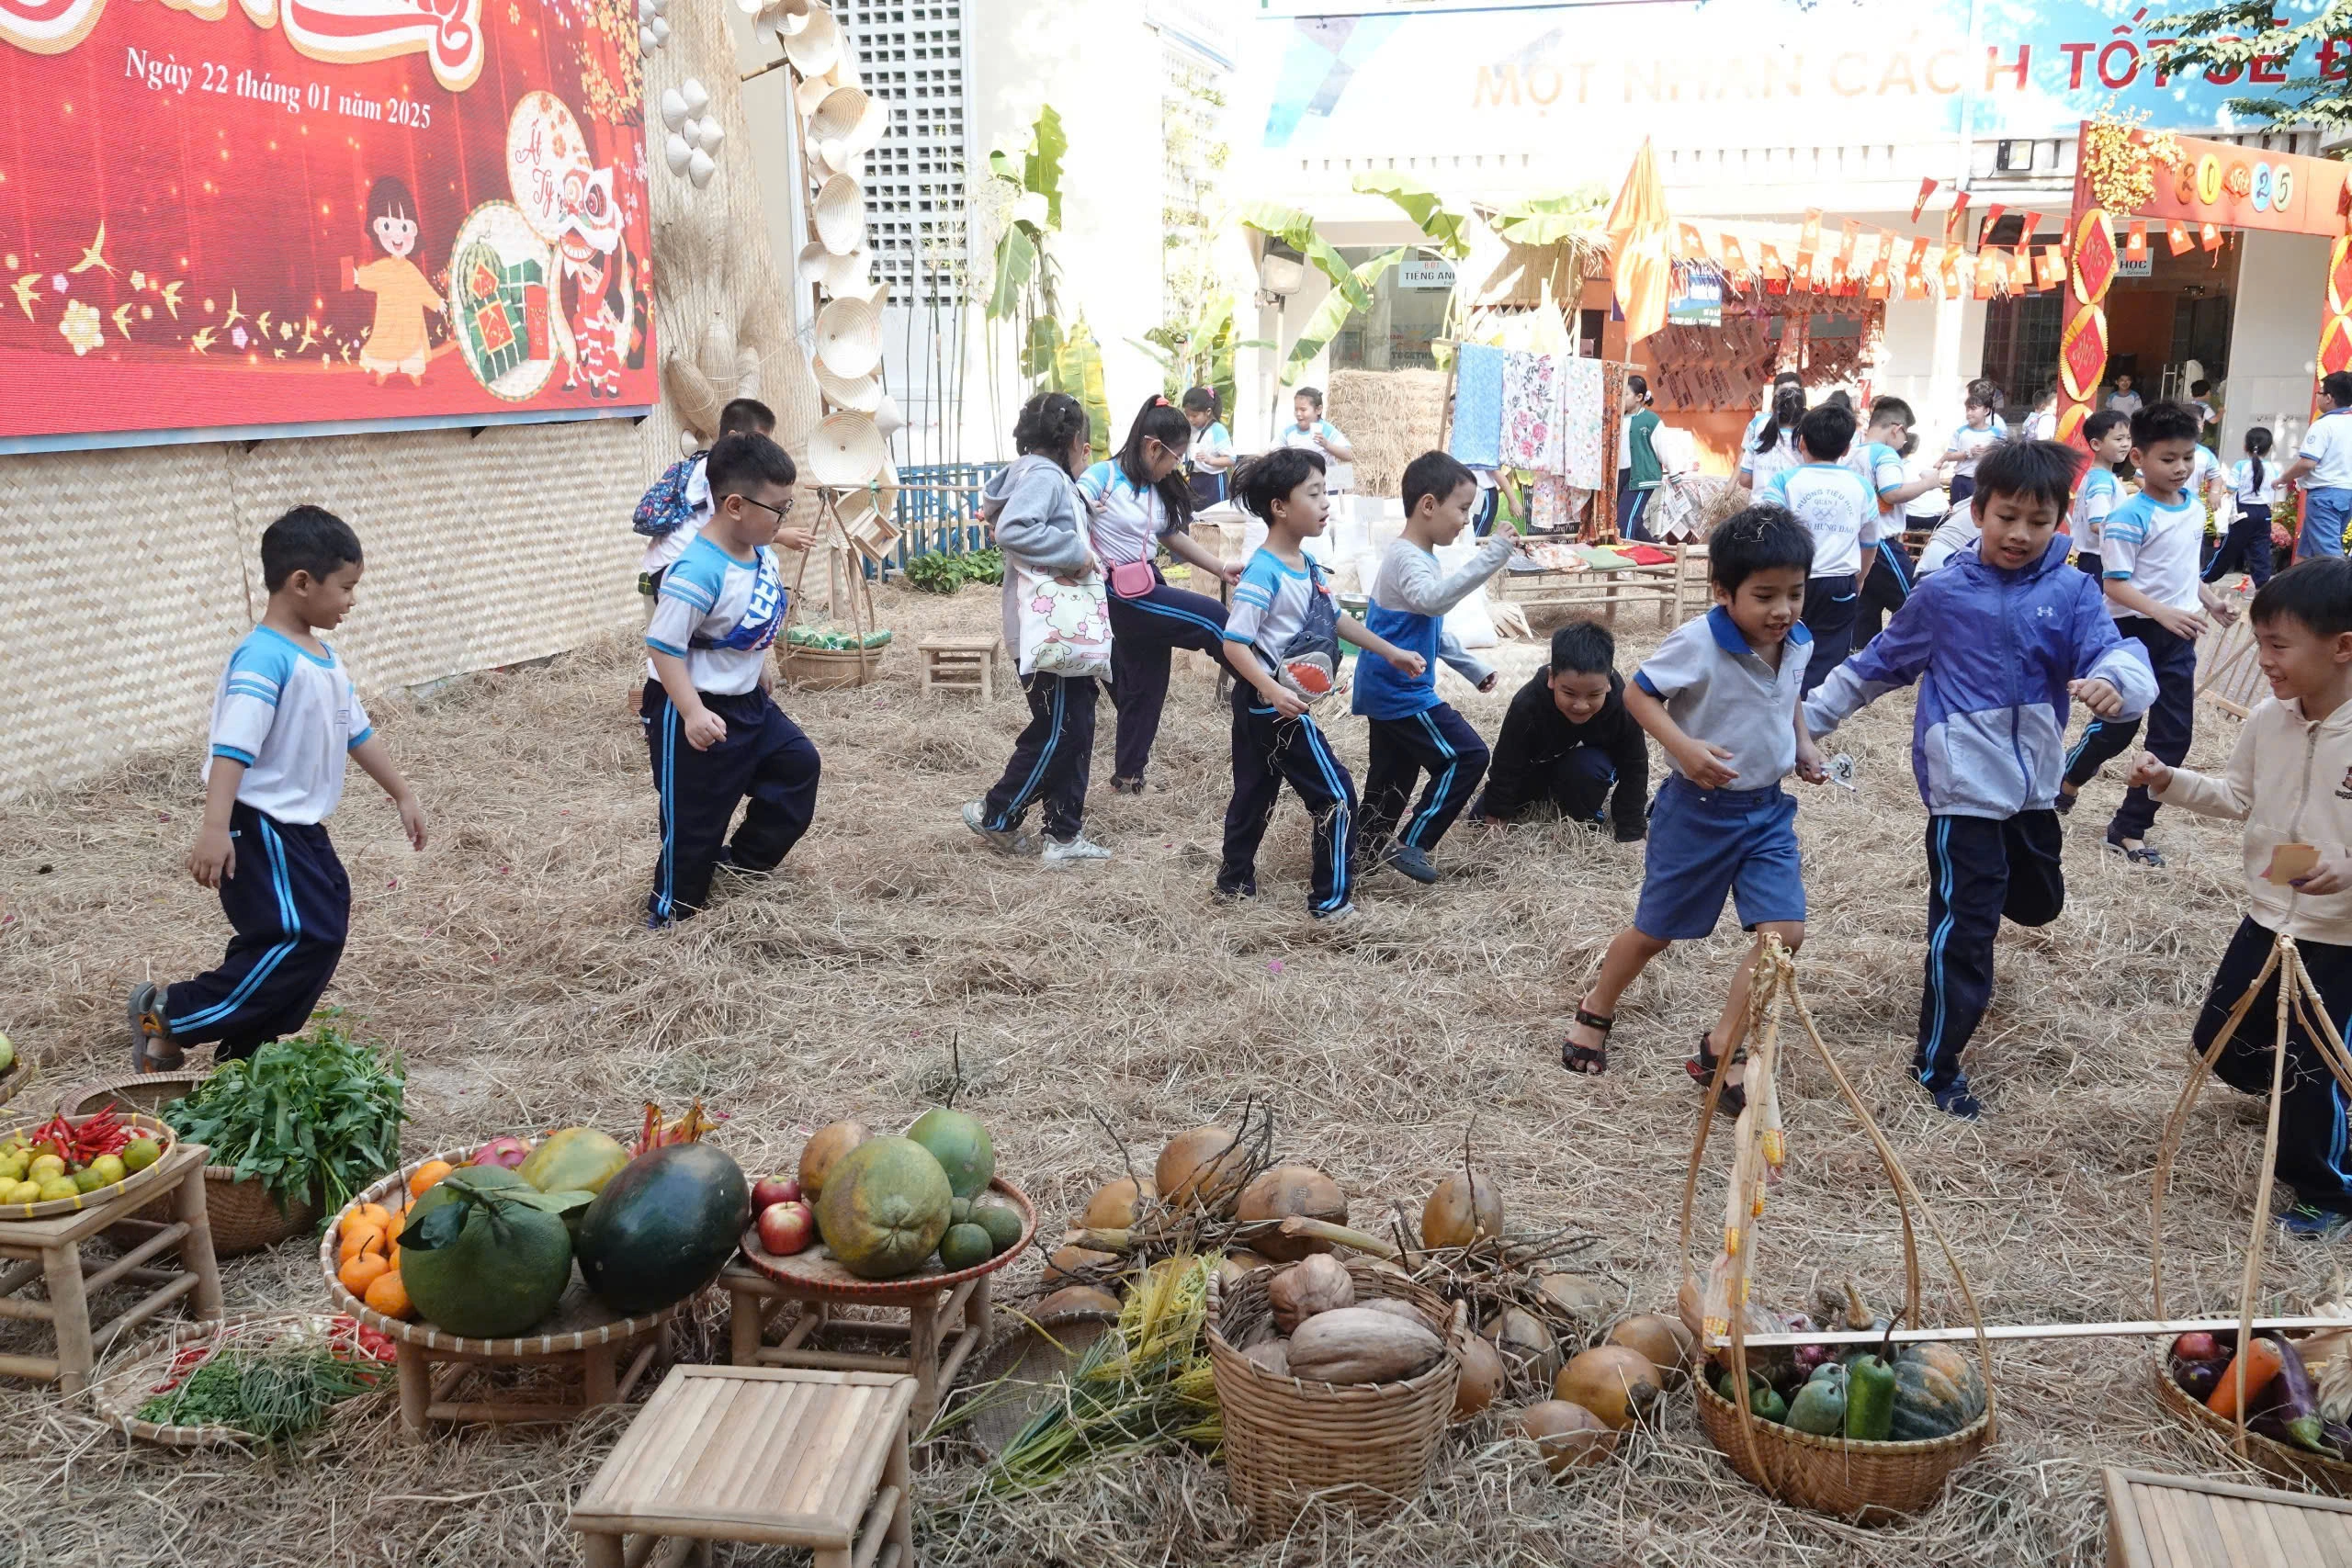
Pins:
<point x="823" y="168"/>
<point x="846" y="276"/>
<point x="846" y="450"/>
<point x="849" y="338"/>
<point x="841" y="215"/>
<point x="815" y="44"/>
<point x="811" y="93"/>
<point x="860" y="394"/>
<point x="889" y="420"/>
<point x="847" y="123"/>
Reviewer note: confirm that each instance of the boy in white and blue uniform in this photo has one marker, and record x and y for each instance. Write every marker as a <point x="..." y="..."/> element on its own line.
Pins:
<point x="1839" y="509"/>
<point x="285" y="715"/>
<point x="712" y="731"/>
<point x="1413" y="731"/>
<point x="1981" y="430"/>
<point x="2322" y="466"/>
<point x="2001" y="640"/>
<point x="2098" y="492"/>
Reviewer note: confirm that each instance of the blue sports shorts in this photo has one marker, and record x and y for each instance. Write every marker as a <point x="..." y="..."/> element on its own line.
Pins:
<point x="1705" y="843"/>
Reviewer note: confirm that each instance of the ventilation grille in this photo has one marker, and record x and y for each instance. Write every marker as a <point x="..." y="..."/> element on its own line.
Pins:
<point x="910" y="57"/>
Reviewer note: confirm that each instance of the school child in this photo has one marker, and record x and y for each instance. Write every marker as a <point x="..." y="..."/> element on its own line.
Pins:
<point x="1283" y="617"/>
<point x="1879" y="457"/>
<point x="2000" y="640"/>
<point x="1773" y="446"/>
<point x="1720" y="695"/>
<point x="1311" y="432"/>
<point x="2322" y="467"/>
<point x="1839" y="509"/>
<point x="1039" y="519"/>
<point x="673" y="511"/>
<point x="2201" y="398"/>
<point x="1413" y="731"/>
<point x="2041" y="425"/>
<point x="2098" y="492"/>
<point x="1639" y="472"/>
<point x="2148" y="549"/>
<point x="2285" y="782"/>
<point x="1209" y="455"/>
<point x="714" y="734"/>
<point x="1763" y="420"/>
<point x="1136" y="501"/>
<point x="2124" y="400"/>
<point x="2254" y="489"/>
<point x="285" y="715"/>
<point x="1982" y="429"/>
<point x="1569" y="739"/>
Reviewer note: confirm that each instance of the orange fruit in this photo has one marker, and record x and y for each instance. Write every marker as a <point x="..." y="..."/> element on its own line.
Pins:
<point x="428" y="1173"/>
<point x="359" y="1273"/>
<point x="375" y="1213"/>
<point x="361" y="1235"/>
<point x="388" y="1295"/>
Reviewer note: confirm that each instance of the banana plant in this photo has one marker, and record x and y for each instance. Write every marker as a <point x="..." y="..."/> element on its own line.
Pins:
<point x="1199" y="352"/>
<point x="1351" y="286"/>
<point x="1449" y="232"/>
<point x="1026" y="291"/>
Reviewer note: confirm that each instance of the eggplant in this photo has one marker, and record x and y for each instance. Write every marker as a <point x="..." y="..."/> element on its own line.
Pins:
<point x="2287" y="1410"/>
<point x="2199" y="1378"/>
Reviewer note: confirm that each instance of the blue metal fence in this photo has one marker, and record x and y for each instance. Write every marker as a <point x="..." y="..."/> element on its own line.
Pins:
<point x="939" y="510"/>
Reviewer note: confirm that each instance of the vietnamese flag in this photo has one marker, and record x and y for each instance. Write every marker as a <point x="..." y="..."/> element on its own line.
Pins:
<point x="1959" y="210"/>
<point x="2177" y="236"/>
<point x="1926" y="189"/>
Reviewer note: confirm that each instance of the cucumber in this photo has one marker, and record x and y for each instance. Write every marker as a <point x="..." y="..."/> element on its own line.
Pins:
<point x="1870" y="1399"/>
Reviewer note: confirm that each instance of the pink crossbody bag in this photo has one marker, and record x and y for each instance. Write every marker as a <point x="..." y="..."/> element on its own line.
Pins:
<point x="1133" y="581"/>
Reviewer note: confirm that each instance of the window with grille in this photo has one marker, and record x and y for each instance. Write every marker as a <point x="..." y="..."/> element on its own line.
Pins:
<point x="910" y="57"/>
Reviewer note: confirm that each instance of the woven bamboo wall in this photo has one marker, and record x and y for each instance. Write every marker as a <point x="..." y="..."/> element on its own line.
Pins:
<point x="126" y="576"/>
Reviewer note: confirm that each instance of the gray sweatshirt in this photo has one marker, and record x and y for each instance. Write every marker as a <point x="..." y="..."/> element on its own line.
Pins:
<point x="1040" y="523"/>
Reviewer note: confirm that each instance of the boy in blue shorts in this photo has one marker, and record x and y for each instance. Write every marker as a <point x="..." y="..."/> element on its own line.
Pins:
<point x="1720" y="695"/>
<point x="714" y="733"/>
<point x="1413" y="731"/>
<point x="284" y="717"/>
<point x="2000" y="639"/>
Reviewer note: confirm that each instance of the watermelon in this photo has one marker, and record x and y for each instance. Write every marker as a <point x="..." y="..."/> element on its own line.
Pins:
<point x="663" y="1226"/>
<point x="884" y="1208"/>
<point x="963" y="1148"/>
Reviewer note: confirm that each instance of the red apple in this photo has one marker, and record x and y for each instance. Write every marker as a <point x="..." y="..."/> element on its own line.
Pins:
<point x="771" y="1190"/>
<point x="787" y="1228"/>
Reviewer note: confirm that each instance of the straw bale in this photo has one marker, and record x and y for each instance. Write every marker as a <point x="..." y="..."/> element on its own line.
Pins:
<point x="1390" y="417"/>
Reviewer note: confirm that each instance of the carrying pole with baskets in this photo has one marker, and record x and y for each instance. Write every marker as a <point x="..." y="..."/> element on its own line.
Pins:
<point x="1836" y="1475"/>
<point x="845" y="584"/>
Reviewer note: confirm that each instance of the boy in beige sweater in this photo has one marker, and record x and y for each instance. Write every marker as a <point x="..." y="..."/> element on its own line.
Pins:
<point x="2289" y="781"/>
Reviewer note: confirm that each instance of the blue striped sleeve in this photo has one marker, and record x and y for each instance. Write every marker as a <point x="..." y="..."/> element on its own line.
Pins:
<point x="232" y="753"/>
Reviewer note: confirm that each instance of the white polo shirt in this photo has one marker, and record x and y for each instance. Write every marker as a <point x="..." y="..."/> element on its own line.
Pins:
<point x="2328" y="443"/>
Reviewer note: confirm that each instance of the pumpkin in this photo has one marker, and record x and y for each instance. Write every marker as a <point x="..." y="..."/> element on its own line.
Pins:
<point x="1320" y="1285"/>
<point x="1966" y="1374"/>
<point x="1463" y="1209"/>
<point x="1203" y="1165"/>
<point x="1482" y="1378"/>
<point x="1666" y="1343"/>
<point x="1354" y="1344"/>
<point x="1616" y="1384"/>
<point x="1114" y="1205"/>
<point x="1928" y="1404"/>
<point x="1276" y="1194"/>
<point x="1569" y="1436"/>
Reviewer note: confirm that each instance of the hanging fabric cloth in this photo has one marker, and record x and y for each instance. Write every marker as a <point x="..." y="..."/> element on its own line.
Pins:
<point x="1477" y="438"/>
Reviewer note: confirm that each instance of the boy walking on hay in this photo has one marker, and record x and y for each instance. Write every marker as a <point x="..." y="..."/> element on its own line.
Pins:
<point x="2289" y="781"/>
<point x="714" y="733"/>
<point x="1999" y="640"/>
<point x="284" y="717"/>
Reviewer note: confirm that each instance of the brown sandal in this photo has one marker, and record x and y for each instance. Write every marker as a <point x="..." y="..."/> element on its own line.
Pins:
<point x="1701" y="1068"/>
<point x="1589" y="1060"/>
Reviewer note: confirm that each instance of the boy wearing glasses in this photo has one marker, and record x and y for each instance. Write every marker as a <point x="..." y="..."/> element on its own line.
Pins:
<point x="715" y="734"/>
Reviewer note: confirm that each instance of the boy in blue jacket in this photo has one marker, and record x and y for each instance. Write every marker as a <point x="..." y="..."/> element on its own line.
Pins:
<point x="2000" y="640"/>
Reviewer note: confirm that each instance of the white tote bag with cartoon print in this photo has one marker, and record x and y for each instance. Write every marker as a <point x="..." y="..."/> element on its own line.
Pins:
<point x="1065" y="627"/>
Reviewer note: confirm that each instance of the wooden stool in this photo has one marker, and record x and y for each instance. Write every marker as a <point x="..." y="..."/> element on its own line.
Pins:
<point x="761" y="1455"/>
<point x="2182" y="1521"/>
<point x="51" y="1250"/>
<point x="960" y="664"/>
<point x="931" y="1361"/>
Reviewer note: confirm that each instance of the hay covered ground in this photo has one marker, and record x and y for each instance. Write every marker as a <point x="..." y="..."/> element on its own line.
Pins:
<point x="507" y="964"/>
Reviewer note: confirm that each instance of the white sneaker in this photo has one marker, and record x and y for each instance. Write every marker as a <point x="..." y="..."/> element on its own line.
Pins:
<point x="1004" y="841"/>
<point x="1339" y="915"/>
<point x="1076" y="847"/>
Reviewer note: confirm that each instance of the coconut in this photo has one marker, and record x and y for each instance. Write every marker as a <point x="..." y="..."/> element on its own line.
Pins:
<point x="1205" y="1165"/>
<point x="1482" y="1378"/>
<point x="1579" y="1295"/>
<point x="1114" y="1205"/>
<point x="1318" y="1284"/>
<point x="1526" y="1346"/>
<point x="825" y="1146"/>
<point x="1063" y="1268"/>
<point x="1569" y="1436"/>
<point x="1273" y="1356"/>
<point x="1237" y="1266"/>
<point x="1460" y="1211"/>
<point x="1666" y="1343"/>
<point x="1617" y="1384"/>
<point x="1277" y="1194"/>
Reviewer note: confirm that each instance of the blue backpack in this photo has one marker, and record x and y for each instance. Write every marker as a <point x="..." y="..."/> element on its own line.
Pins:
<point x="665" y="506"/>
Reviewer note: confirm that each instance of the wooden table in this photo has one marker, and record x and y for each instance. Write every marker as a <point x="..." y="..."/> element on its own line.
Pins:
<point x="2179" y="1521"/>
<point x="943" y="1327"/>
<point x="767" y="1456"/>
<point x="50" y="1250"/>
<point x="1601" y="588"/>
<point x="610" y="1353"/>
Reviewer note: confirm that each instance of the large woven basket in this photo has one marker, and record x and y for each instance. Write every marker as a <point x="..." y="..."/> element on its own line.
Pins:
<point x="2273" y="1458"/>
<point x="156" y="1366"/>
<point x="244" y="1215"/>
<point x="1288" y="1442"/>
<point x="827" y="669"/>
<point x="1869" y="1483"/>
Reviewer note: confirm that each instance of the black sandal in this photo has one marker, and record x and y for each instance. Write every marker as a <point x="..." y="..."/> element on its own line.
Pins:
<point x="1589" y="1060"/>
<point x="1701" y="1068"/>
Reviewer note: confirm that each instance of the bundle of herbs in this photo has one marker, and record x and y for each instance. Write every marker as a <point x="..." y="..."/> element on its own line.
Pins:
<point x="317" y="1116"/>
<point x="269" y="1390"/>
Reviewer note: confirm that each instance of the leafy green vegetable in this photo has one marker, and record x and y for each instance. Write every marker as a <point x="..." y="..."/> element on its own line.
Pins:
<point x="273" y="1393"/>
<point x="318" y="1114"/>
<point x="945" y="571"/>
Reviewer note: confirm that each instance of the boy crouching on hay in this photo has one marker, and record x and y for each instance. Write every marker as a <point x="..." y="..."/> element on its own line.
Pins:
<point x="284" y="718"/>
<point x="1720" y="695"/>
<point x="1999" y="640"/>
<point x="713" y="732"/>
<point x="2289" y="781"/>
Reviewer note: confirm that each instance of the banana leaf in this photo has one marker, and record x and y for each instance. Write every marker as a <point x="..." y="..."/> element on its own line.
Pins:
<point x="1296" y="229"/>
<point x="1448" y="230"/>
<point x="1337" y="306"/>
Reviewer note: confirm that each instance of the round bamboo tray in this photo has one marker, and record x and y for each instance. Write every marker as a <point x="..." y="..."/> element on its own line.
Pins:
<point x="2267" y="1454"/>
<point x="815" y="1273"/>
<point x="829" y="669"/>
<point x="18" y="1076"/>
<point x="244" y="1217"/>
<point x="153" y="1367"/>
<point x="1289" y="1443"/>
<point x="579" y="1322"/>
<point x="108" y="1195"/>
<point x="1869" y="1483"/>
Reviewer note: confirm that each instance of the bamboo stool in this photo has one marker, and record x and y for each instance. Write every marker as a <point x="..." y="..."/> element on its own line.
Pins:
<point x="51" y="1250"/>
<point x="2182" y="1521"/>
<point x="953" y="664"/>
<point x="761" y="1455"/>
<point x="943" y="1327"/>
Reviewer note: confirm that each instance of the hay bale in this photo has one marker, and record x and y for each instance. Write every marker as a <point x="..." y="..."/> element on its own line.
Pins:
<point x="1390" y="417"/>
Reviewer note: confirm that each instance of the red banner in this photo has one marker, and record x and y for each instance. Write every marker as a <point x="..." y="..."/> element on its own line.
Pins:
<point x="372" y="213"/>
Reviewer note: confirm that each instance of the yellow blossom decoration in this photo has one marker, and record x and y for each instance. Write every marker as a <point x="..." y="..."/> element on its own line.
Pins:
<point x="2120" y="161"/>
<point x="81" y="327"/>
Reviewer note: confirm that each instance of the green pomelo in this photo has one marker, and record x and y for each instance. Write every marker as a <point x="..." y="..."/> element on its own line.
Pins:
<point x="884" y="1208"/>
<point x="961" y="1145"/>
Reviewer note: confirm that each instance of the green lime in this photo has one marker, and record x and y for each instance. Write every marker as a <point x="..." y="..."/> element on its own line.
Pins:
<point x="88" y="1179"/>
<point x="59" y="1187"/>
<point x="140" y="1153"/>
<point x="110" y="1169"/>
<point x="1003" y="1224"/>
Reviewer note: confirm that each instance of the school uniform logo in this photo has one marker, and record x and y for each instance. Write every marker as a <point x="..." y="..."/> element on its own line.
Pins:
<point x="2344" y="790"/>
<point x="763" y="614"/>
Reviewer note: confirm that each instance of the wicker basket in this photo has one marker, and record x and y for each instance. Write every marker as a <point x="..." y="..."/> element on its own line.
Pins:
<point x="2332" y="1476"/>
<point x="14" y="1081"/>
<point x="829" y="669"/>
<point x="1869" y="1483"/>
<point x="245" y="1216"/>
<point x="127" y="1381"/>
<point x="1289" y="1443"/>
